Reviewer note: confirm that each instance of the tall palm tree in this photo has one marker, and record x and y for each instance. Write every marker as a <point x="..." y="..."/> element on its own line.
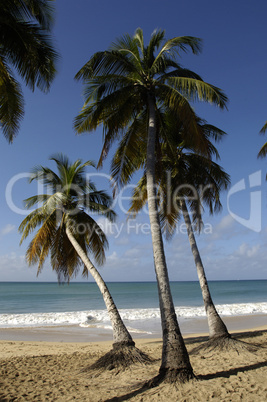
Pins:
<point x="121" y="83"/>
<point x="184" y="178"/>
<point x="203" y="180"/>
<point x="202" y="173"/>
<point x="171" y="208"/>
<point x="69" y="233"/>
<point x="217" y="327"/>
<point x="25" y="47"/>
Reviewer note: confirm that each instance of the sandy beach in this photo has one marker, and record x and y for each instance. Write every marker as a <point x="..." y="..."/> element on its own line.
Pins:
<point x="52" y="371"/>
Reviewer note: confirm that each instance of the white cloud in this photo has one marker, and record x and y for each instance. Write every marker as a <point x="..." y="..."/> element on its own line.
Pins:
<point x="247" y="251"/>
<point x="223" y="228"/>
<point x="226" y="222"/>
<point x="13" y="267"/>
<point x="112" y="258"/>
<point x="8" y="229"/>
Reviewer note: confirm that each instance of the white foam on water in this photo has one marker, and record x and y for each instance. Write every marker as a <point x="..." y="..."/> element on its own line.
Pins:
<point x="100" y="318"/>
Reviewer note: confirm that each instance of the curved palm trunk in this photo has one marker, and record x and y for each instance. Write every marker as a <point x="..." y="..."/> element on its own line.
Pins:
<point x="216" y="325"/>
<point x="121" y="335"/>
<point x="175" y="359"/>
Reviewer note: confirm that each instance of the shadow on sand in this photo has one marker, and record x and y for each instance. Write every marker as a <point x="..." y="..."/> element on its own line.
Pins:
<point x="225" y="374"/>
<point x="144" y="386"/>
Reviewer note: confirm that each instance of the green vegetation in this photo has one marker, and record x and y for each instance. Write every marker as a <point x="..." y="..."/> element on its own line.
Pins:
<point x="26" y="47"/>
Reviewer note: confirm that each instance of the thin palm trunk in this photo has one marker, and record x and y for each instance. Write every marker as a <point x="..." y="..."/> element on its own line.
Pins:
<point x="121" y="336"/>
<point x="175" y="358"/>
<point x="216" y="325"/>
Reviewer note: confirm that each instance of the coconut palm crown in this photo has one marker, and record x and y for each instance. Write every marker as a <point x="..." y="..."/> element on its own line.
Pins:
<point x="120" y="83"/>
<point x="65" y="205"/>
<point x="181" y="174"/>
<point x="26" y="50"/>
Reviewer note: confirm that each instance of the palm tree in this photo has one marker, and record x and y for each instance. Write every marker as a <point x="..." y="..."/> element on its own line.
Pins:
<point x="185" y="179"/>
<point x="121" y="84"/>
<point x="25" y="46"/>
<point x="196" y="172"/>
<point x="198" y="180"/>
<point x="69" y="233"/>
<point x="206" y="179"/>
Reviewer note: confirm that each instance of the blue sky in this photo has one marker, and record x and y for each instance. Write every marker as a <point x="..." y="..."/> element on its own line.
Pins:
<point x="233" y="58"/>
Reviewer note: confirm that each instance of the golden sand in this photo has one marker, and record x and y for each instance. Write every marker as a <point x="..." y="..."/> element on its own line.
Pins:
<point x="50" y="371"/>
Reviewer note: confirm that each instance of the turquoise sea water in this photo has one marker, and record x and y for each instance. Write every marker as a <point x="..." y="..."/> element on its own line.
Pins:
<point x="45" y="304"/>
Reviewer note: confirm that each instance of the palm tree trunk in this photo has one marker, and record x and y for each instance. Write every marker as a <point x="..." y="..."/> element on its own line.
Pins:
<point x="175" y="359"/>
<point x="121" y="336"/>
<point x="217" y="327"/>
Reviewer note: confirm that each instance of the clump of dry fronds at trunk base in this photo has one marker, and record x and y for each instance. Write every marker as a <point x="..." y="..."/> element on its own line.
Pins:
<point x="120" y="357"/>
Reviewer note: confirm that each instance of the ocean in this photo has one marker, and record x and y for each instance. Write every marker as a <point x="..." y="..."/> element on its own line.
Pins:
<point x="42" y="304"/>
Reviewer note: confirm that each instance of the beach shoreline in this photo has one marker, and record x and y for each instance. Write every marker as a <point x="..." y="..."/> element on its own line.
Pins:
<point x="75" y="333"/>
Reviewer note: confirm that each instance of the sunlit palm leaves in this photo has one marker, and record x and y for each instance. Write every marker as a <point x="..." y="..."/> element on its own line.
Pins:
<point x="69" y="198"/>
<point x="117" y="83"/>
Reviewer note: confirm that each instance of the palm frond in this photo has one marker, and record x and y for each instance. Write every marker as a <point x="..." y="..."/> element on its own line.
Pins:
<point x="31" y="53"/>
<point x="155" y="42"/>
<point x="64" y="258"/>
<point x="112" y="111"/>
<point x="139" y="197"/>
<point x="139" y="39"/>
<point x="72" y="198"/>
<point x="104" y="63"/>
<point x="42" y="11"/>
<point x="263" y="151"/>
<point x="40" y="245"/>
<point x="31" y="222"/>
<point x="26" y="46"/>
<point x="36" y="199"/>
<point x="178" y="72"/>
<point x="46" y="176"/>
<point x="131" y="152"/>
<point x="173" y="46"/>
<point x="11" y="102"/>
<point x="264" y="128"/>
<point x="194" y="89"/>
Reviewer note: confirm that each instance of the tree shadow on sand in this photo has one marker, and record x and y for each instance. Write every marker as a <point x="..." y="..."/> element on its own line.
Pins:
<point x="148" y="385"/>
<point x="225" y="374"/>
<point x="237" y="336"/>
<point x="252" y="334"/>
<point x="230" y="343"/>
<point x="234" y="371"/>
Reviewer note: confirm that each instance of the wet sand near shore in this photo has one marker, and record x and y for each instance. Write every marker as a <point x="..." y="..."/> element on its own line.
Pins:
<point x="79" y="334"/>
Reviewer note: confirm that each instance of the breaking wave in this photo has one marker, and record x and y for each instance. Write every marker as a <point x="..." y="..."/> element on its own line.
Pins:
<point x="100" y="319"/>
